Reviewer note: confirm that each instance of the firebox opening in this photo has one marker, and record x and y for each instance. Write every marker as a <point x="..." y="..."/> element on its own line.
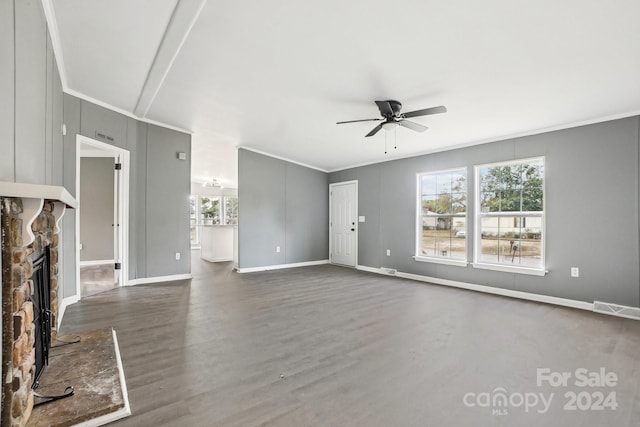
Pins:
<point x="41" y="300"/>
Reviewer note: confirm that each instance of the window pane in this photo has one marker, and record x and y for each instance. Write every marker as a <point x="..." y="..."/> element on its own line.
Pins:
<point x="503" y="188"/>
<point x="444" y="183"/>
<point x="532" y="197"/>
<point x="428" y="204"/>
<point x="511" y="241"/>
<point x="210" y="210"/>
<point x="458" y="202"/>
<point x="231" y="210"/>
<point x="443" y="203"/>
<point x="428" y="183"/>
<point x="443" y="195"/>
<point x="513" y="238"/>
<point x="510" y="200"/>
<point x="193" y="220"/>
<point x="444" y="237"/>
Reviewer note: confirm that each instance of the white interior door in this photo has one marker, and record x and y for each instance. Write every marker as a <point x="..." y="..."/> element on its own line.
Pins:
<point x="343" y="234"/>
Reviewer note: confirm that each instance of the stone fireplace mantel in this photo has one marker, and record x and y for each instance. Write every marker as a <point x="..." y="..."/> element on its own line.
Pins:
<point x="30" y="222"/>
<point x="33" y="197"/>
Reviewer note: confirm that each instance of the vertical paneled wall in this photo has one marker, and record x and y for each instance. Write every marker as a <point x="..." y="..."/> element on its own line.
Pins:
<point x="284" y="205"/>
<point x="33" y="149"/>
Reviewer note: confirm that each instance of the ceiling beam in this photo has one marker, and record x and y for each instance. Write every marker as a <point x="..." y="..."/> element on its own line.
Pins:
<point x="182" y="21"/>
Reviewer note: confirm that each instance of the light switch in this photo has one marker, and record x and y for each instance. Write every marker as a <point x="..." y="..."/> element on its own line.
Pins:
<point x="361" y="218"/>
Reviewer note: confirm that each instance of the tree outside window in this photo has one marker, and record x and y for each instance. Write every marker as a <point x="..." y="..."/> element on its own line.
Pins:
<point x="210" y="210"/>
<point x="231" y="210"/>
<point x="510" y="214"/>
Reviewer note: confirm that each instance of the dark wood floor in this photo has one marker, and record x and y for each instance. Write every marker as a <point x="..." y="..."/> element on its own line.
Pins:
<point x="331" y="346"/>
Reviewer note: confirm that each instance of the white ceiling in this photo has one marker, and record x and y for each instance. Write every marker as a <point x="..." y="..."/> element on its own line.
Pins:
<point x="275" y="76"/>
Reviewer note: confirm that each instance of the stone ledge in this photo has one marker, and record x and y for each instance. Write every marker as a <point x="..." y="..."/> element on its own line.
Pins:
<point x="92" y="368"/>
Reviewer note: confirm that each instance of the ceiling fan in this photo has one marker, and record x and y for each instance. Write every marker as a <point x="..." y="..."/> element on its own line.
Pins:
<point x="392" y="117"/>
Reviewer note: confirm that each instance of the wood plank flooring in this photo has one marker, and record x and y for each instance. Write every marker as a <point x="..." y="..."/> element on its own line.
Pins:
<point x="331" y="346"/>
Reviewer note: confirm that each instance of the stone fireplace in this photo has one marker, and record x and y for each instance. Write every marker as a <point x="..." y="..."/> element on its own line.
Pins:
<point x="30" y="224"/>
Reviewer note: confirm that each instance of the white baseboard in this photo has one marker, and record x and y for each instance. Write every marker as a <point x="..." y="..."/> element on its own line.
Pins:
<point x="583" y="305"/>
<point x="216" y="259"/>
<point x="63" y="306"/>
<point x="158" y="279"/>
<point x="281" y="266"/>
<point x="96" y="262"/>
<point x="369" y="269"/>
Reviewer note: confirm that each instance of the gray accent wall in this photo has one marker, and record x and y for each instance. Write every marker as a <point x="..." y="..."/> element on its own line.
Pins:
<point x="280" y="204"/>
<point x="592" y="221"/>
<point x="33" y="149"/>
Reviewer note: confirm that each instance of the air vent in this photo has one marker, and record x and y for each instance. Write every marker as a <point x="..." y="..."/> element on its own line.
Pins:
<point x="616" y="310"/>
<point x="103" y="136"/>
<point x="389" y="271"/>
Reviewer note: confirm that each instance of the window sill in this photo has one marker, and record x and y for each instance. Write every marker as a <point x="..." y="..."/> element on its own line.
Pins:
<point x="511" y="269"/>
<point x="445" y="261"/>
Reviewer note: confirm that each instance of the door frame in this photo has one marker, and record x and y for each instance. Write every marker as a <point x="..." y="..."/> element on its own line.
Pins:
<point x="121" y="206"/>
<point x="357" y="231"/>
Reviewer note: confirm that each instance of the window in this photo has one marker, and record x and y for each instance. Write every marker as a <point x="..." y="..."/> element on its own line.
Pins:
<point x="509" y="232"/>
<point x="193" y="220"/>
<point x="209" y="210"/>
<point x="231" y="210"/>
<point x="442" y="217"/>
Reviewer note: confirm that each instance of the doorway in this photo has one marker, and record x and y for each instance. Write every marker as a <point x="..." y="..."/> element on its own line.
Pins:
<point x="102" y="190"/>
<point x="343" y="223"/>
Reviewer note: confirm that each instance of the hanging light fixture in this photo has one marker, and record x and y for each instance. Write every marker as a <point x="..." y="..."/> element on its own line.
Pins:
<point x="388" y="127"/>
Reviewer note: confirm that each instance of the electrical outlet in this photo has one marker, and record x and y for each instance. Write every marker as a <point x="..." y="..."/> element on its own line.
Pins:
<point x="388" y="252"/>
<point x="277" y="248"/>
<point x="81" y="246"/>
<point x="575" y="272"/>
<point x="177" y="256"/>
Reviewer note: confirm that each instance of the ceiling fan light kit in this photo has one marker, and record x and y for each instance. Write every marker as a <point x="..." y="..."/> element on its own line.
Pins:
<point x="389" y="126"/>
<point x="392" y="117"/>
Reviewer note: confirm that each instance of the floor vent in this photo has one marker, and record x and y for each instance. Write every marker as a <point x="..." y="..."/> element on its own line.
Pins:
<point x="616" y="310"/>
<point x="389" y="271"/>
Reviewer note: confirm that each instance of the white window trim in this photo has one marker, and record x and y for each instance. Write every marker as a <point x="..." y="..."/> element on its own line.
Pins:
<point x="477" y="241"/>
<point x="418" y="226"/>
<point x="445" y="261"/>
<point x="510" y="269"/>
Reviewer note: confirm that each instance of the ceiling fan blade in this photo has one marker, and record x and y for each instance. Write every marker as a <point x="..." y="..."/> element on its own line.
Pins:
<point x="412" y="125"/>
<point x="356" y="121"/>
<point x="385" y="108"/>
<point x="374" y="130"/>
<point x="426" y="112"/>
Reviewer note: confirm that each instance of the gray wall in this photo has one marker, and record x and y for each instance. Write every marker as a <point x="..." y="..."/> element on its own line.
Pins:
<point x="592" y="221"/>
<point x="33" y="149"/>
<point x="96" y="213"/>
<point x="31" y="112"/>
<point x="166" y="211"/>
<point x="159" y="184"/>
<point x="280" y="204"/>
